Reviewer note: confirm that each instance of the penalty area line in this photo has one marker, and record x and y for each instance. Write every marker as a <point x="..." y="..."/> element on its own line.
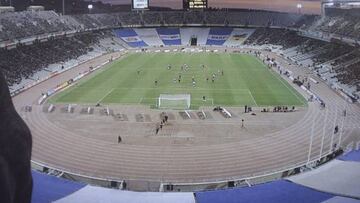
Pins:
<point x="107" y="94"/>
<point x="253" y="98"/>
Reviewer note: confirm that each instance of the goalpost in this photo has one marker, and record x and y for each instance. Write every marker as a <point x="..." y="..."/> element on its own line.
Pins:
<point x="174" y="101"/>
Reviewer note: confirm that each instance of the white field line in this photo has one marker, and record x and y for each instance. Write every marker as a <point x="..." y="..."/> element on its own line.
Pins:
<point x="107" y="94"/>
<point x="297" y="97"/>
<point x="271" y="71"/>
<point x="185" y="88"/>
<point x="187" y="113"/>
<point x="208" y="99"/>
<point x="253" y="98"/>
<point x="203" y="113"/>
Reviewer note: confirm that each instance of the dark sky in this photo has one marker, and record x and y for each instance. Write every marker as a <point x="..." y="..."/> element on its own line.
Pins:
<point x="309" y="6"/>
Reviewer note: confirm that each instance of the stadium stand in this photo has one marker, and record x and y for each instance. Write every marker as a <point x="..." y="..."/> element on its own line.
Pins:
<point x="351" y="156"/>
<point x="130" y="37"/>
<point x="173" y="17"/>
<point x="338" y="67"/>
<point x="278" y="191"/>
<point x="149" y="36"/>
<point x="128" y="18"/>
<point x="336" y="62"/>
<point x="333" y="182"/>
<point x="194" y="17"/>
<point x="346" y="26"/>
<point x="215" y="17"/>
<point x="63" y="191"/>
<point x="56" y="188"/>
<point x="200" y="34"/>
<point x="337" y="177"/>
<point x="43" y="58"/>
<point x="28" y="59"/>
<point x="218" y="36"/>
<point x="238" y="36"/>
<point x="281" y="37"/>
<point x="152" y="18"/>
<point x="24" y="24"/>
<point x="169" y="36"/>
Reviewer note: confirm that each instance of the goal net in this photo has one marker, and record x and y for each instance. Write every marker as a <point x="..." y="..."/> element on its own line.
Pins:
<point x="174" y="101"/>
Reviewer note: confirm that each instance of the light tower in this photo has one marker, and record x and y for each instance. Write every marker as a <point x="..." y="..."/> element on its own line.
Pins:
<point x="299" y="7"/>
<point x="90" y="7"/>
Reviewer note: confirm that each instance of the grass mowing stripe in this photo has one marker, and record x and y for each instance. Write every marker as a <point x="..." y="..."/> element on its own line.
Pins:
<point x="282" y="82"/>
<point x="245" y="81"/>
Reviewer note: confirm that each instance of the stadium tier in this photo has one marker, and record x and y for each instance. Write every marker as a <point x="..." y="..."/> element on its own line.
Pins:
<point x="338" y="67"/>
<point x="218" y="36"/>
<point x="187" y="106"/>
<point x="169" y="36"/>
<point x="308" y="187"/>
<point x="130" y="37"/>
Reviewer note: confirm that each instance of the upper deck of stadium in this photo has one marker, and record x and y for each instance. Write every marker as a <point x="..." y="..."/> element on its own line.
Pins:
<point x="330" y="42"/>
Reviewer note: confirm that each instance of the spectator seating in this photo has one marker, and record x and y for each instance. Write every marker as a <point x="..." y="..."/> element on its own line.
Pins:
<point x="130" y="37"/>
<point x="281" y="37"/>
<point x="30" y="63"/>
<point x="169" y="36"/>
<point x="277" y="191"/>
<point x="215" y="17"/>
<point x="152" y="18"/>
<point x="28" y="59"/>
<point x="20" y="25"/>
<point x="200" y="33"/>
<point x="238" y="36"/>
<point x="335" y="62"/>
<point x="218" y="36"/>
<point x="49" y="188"/>
<point x="173" y="17"/>
<point x="194" y="17"/>
<point x="337" y="177"/>
<point x="332" y="182"/>
<point x="149" y="36"/>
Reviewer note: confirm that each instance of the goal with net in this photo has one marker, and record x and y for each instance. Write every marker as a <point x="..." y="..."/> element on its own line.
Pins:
<point x="174" y="101"/>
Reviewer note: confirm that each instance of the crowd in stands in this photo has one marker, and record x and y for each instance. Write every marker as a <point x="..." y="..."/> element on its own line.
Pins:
<point x="345" y="26"/>
<point x="24" y="24"/>
<point x="29" y="23"/>
<point x="341" y="59"/>
<point x="194" y="17"/>
<point x="215" y="17"/>
<point x="341" y="22"/>
<point x="311" y="46"/>
<point x="281" y="37"/>
<point x="20" y="25"/>
<point x="350" y="75"/>
<point x="277" y="29"/>
<point x="332" y="51"/>
<point x="173" y="17"/>
<point x="28" y="59"/>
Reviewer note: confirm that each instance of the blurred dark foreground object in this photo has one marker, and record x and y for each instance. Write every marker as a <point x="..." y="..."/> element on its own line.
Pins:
<point x="15" y="152"/>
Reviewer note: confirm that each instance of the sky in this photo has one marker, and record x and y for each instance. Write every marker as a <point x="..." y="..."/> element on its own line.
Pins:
<point x="309" y="6"/>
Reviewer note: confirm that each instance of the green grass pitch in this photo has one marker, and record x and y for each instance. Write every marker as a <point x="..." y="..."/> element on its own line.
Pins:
<point x="131" y="80"/>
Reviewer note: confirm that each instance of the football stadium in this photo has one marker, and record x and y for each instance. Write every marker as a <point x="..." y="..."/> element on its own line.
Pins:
<point x="143" y="101"/>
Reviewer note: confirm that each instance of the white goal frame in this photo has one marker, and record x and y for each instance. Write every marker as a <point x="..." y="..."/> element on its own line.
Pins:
<point x="175" y="97"/>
